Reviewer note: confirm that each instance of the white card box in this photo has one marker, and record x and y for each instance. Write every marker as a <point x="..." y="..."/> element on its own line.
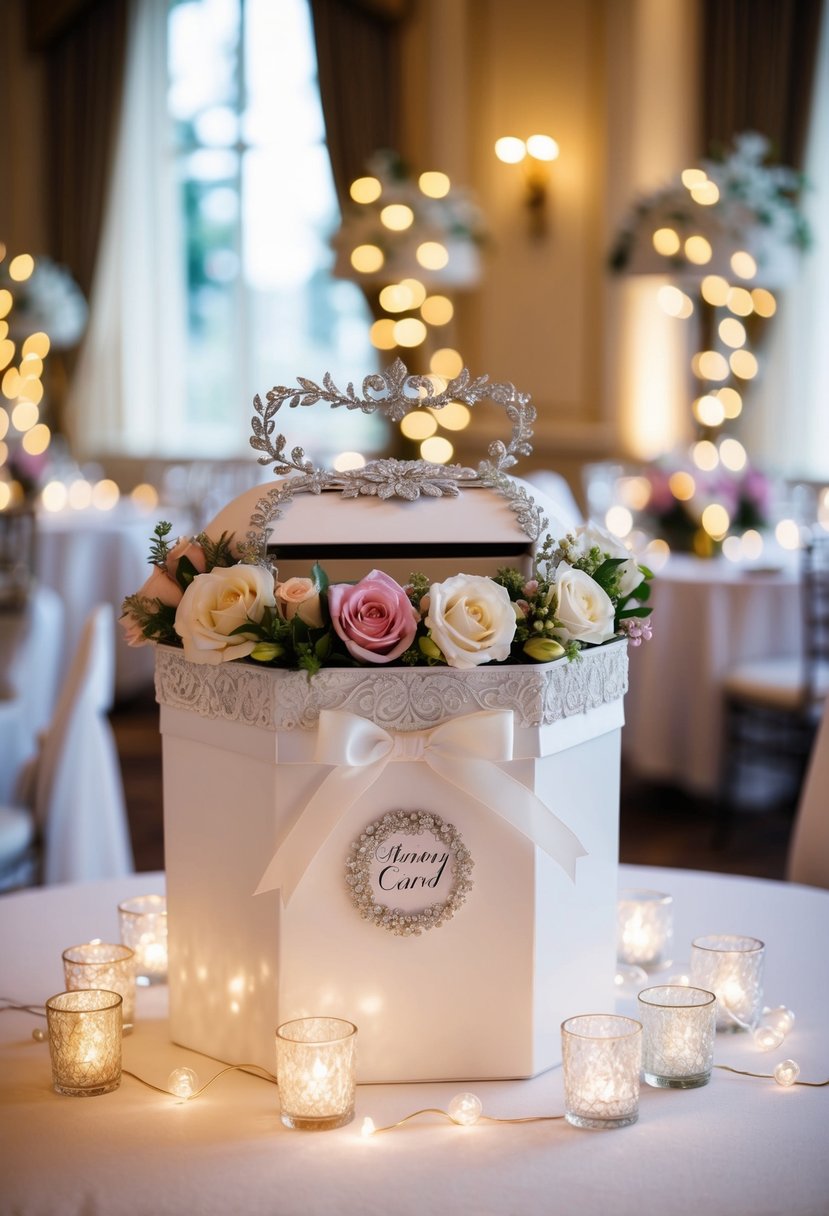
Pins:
<point x="481" y="996"/>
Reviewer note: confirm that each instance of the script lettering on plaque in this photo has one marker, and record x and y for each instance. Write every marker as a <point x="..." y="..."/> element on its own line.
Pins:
<point x="409" y="871"/>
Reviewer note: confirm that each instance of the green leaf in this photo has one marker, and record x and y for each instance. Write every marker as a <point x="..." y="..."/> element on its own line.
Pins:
<point x="642" y="592"/>
<point x="320" y="578"/>
<point x="322" y="647"/>
<point x="620" y="616"/>
<point x="606" y="572"/>
<point x="251" y="628"/>
<point x="185" y="572"/>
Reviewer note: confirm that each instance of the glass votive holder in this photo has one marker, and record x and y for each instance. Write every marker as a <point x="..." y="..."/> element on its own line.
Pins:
<point x="144" y="929"/>
<point x="645" y="929"/>
<point x="106" y="966"/>
<point x="730" y="966"/>
<point x="602" y="1058"/>
<point x="316" y="1072"/>
<point x="678" y="1026"/>
<point x="84" y="1030"/>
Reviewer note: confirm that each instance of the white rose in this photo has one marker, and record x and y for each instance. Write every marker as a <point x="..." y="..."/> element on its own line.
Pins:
<point x="584" y="611"/>
<point x="630" y="576"/>
<point x="471" y="619"/>
<point x="217" y="603"/>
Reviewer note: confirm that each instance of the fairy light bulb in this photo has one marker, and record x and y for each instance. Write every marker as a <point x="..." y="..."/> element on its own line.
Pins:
<point x="368" y="1128"/>
<point x="465" y="1109"/>
<point x="767" y="1038"/>
<point x="183" y="1082"/>
<point x="779" y="1018"/>
<point x="786" y="1072"/>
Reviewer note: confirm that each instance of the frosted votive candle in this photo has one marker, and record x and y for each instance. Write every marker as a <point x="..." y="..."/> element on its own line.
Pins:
<point x="730" y="966"/>
<point x="316" y="1072"/>
<point x="678" y="1025"/>
<point x="144" y="929"/>
<point x="103" y="965"/>
<point x="645" y="928"/>
<point x="85" y="1041"/>
<point x="602" y="1057"/>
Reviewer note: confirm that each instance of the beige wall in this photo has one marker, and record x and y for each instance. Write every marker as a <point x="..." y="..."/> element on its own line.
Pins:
<point x="614" y="82"/>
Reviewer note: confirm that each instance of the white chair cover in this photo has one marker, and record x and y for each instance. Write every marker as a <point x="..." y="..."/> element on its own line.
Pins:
<point x="808" y="860"/>
<point x="31" y="647"/>
<point x="557" y="490"/>
<point x="79" y="796"/>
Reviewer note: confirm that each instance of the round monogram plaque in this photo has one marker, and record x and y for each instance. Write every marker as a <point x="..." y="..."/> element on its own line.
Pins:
<point x="409" y="871"/>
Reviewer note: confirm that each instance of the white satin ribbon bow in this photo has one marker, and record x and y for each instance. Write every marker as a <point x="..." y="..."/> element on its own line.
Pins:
<point x="464" y="751"/>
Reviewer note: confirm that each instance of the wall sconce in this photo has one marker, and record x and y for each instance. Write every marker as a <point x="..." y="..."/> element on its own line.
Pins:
<point x="537" y="153"/>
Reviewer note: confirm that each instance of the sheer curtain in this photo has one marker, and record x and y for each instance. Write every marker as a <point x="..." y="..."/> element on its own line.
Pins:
<point x="787" y="418"/>
<point x="130" y="371"/>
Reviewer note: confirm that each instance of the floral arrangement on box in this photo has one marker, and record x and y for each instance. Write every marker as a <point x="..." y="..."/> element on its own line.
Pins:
<point x="736" y="201"/>
<point x="585" y="590"/>
<point x="680" y="494"/>
<point x="450" y="217"/>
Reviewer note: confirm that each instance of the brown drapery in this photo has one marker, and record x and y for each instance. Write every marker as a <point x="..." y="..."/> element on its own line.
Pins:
<point x="83" y="43"/>
<point x="358" y="61"/>
<point x="758" y="66"/>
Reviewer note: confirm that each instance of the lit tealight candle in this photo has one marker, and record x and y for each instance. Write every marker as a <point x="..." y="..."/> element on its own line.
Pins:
<point x="678" y="1036"/>
<point x="316" y="1072"/>
<point x="103" y="965"/>
<point x="144" y="929"/>
<point x="732" y="967"/>
<point x="602" y="1057"/>
<point x="645" y="928"/>
<point x="85" y="1041"/>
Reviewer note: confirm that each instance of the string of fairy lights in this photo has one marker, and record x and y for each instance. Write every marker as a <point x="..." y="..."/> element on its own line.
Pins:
<point x="404" y="237"/>
<point x="464" y="1109"/>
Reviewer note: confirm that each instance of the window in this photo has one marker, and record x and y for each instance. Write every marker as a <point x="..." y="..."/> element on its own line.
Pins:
<point x="257" y="208"/>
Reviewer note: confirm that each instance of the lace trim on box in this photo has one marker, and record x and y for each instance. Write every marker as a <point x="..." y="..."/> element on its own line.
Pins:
<point x="396" y="698"/>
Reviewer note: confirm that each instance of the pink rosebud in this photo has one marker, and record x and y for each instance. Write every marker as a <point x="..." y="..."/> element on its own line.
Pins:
<point x="133" y="633"/>
<point x="299" y="597"/>
<point x="523" y="605"/>
<point x="374" y="618"/>
<point x="530" y="587"/>
<point x="186" y="547"/>
<point x="160" y="586"/>
<point x="424" y="604"/>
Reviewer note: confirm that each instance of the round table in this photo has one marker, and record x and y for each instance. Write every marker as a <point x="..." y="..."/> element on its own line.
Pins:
<point x="738" y="1146"/>
<point x="708" y="616"/>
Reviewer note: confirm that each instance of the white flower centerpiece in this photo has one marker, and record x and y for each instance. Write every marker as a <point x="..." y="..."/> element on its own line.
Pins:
<point x="434" y="754"/>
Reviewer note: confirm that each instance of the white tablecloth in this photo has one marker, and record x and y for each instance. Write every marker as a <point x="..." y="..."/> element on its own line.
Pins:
<point x="708" y="616"/>
<point x="739" y="1146"/>
<point x="92" y="557"/>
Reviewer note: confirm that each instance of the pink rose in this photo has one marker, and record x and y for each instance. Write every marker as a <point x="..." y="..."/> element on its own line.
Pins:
<point x="299" y="597"/>
<point x="185" y="547"/>
<point x="374" y="618"/>
<point x="160" y="586"/>
<point x="133" y="633"/>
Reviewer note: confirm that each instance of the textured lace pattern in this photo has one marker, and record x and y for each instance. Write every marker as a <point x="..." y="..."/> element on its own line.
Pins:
<point x="396" y="698"/>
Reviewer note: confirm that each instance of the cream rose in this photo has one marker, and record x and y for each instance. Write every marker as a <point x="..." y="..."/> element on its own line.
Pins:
<point x="584" y="611"/>
<point x="300" y="597"/>
<point x="217" y="603"/>
<point x="471" y="619"/>
<point x="630" y="576"/>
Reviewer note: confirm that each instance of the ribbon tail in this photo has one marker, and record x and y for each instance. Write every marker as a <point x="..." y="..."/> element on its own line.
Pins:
<point x="334" y="796"/>
<point x="520" y="807"/>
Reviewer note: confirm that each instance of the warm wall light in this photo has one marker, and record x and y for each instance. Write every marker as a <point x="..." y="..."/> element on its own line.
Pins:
<point x="536" y="153"/>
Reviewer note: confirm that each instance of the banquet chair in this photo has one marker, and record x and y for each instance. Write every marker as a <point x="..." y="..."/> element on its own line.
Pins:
<point x="808" y="860"/>
<point x="70" y="824"/>
<point x="773" y="705"/>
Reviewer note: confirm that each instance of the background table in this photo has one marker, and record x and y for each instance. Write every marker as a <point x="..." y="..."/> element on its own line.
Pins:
<point x="91" y="557"/>
<point x="708" y="616"/>
<point x="739" y="1146"/>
